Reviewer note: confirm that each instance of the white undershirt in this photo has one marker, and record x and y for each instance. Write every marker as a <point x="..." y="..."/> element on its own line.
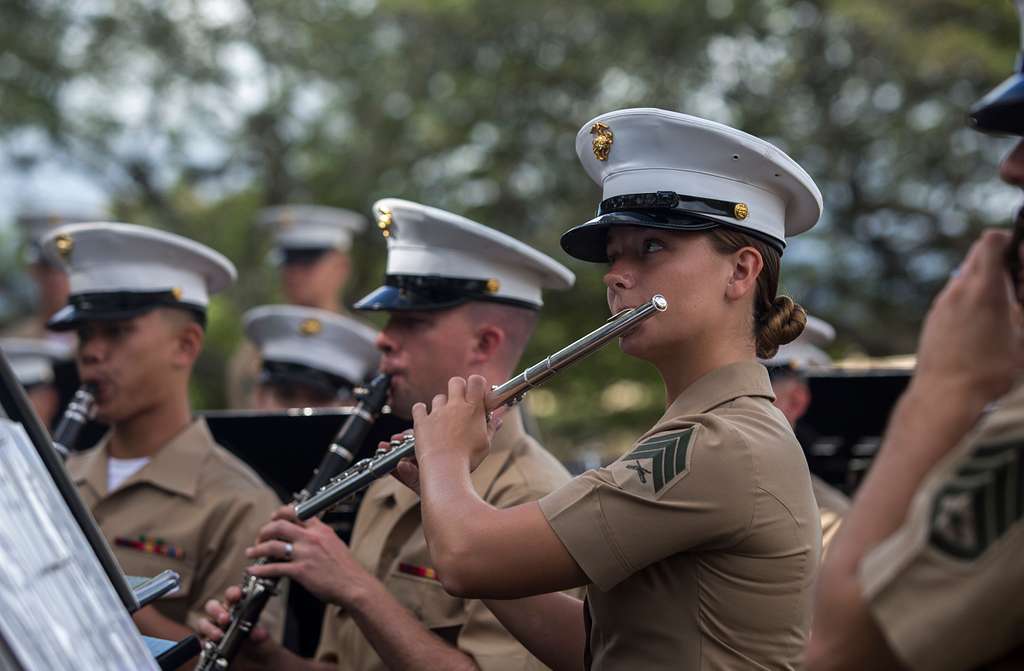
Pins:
<point x="119" y="470"/>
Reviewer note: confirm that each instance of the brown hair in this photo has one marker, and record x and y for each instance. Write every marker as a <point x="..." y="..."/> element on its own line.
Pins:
<point x="778" y="320"/>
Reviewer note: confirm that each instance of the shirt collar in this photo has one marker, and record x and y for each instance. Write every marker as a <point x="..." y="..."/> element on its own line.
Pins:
<point x="175" y="467"/>
<point x="743" y="378"/>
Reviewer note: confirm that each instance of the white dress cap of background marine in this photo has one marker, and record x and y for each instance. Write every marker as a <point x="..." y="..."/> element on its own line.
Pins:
<point x="118" y="271"/>
<point x="437" y="260"/>
<point x="38" y="221"/>
<point x="662" y="169"/>
<point x="33" y="359"/>
<point x="807" y="351"/>
<point x="311" y="346"/>
<point x="305" y="231"/>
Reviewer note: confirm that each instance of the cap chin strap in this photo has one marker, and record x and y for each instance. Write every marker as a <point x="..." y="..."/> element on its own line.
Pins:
<point x="670" y="200"/>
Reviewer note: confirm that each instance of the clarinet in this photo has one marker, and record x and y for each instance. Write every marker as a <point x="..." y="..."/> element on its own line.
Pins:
<point x="366" y="471"/>
<point x="256" y="592"/>
<point x="80" y="410"/>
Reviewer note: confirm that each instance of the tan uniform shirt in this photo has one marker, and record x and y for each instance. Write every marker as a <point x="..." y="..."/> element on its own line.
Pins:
<point x="702" y="543"/>
<point x="388" y="542"/>
<point x="947" y="588"/>
<point x="833" y="506"/>
<point x="193" y="508"/>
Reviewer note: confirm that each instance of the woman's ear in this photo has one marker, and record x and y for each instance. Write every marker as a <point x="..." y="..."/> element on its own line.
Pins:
<point x="747" y="265"/>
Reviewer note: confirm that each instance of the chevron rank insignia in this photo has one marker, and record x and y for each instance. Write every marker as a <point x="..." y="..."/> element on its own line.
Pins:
<point x="657" y="461"/>
<point x="981" y="502"/>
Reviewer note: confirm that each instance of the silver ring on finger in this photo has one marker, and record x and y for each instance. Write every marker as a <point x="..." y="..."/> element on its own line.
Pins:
<point x="289" y="551"/>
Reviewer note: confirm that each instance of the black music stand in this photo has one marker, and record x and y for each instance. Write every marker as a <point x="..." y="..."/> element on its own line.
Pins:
<point x="15" y="406"/>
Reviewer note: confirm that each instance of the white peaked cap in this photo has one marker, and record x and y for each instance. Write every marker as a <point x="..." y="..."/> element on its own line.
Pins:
<point x="119" y="270"/>
<point x="317" y="339"/>
<point x="703" y="173"/>
<point x="33" y="359"/>
<point x="807" y="350"/>
<point x="437" y="259"/>
<point x="312" y="226"/>
<point x="37" y="222"/>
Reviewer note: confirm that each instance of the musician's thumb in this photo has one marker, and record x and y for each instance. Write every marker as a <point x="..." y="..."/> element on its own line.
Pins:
<point x="408" y="473"/>
<point x="476" y="388"/>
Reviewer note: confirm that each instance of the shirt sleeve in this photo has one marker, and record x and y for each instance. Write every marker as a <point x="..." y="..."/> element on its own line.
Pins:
<point x="482" y="636"/>
<point x="945" y="588"/>
<point x="686" y="489"/>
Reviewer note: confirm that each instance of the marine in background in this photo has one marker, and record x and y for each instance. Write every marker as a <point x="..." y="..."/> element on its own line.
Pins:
<point x="311" y="252"/>
<point x="310" y="358"/>
<point x="33" y="361"/>
<point x="788" y="371"/>
<point x="164" y="494"/>
<point x="49" y="277"/>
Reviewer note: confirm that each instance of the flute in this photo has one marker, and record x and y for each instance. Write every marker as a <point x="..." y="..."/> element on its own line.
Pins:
<point x="80" y="410"/>
<point x="256" y="592"/>
<point x="366" y="471"/>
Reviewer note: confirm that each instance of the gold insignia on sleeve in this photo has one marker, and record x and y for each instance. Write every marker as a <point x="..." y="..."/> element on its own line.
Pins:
<point x="385" y="221"/>
<point x="603" y="139"/>
<point x="740" y="211"/>
<point x="64" y="245"/>
<point x="310" y="327"/>
<point x="657" y="462"/>
<point x="979" y="504"/>
<point x="493" y="285"/>
<point x="177" y="293"/>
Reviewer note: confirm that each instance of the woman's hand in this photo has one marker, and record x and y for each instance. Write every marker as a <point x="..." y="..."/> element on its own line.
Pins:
<point x="456" y="425"/>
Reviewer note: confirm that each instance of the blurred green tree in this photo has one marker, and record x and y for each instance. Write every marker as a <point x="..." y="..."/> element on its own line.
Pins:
<point x="195" y="114"/>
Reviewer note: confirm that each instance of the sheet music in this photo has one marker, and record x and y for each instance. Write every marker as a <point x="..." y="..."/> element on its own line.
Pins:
<point x="58" y="610"/>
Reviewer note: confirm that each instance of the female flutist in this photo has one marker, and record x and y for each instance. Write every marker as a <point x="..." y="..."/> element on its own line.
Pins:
<point x="698" y="546"/>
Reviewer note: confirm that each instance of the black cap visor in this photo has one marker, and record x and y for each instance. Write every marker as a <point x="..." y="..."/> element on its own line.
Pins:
<point x="1002" y="110"/>
<point x="117" y="306"/>
<point x="429" y="292"/>
<point x="298" y="256"/>
<point x="589" y="241"/>
<point x="321" y="383"/>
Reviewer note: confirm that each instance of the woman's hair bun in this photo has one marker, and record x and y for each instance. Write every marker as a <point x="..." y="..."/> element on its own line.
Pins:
<point x="783" y="323"/>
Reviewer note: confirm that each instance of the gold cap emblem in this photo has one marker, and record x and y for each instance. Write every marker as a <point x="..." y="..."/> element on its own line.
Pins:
<point x="603" y="139"/>
<point x="310" y="327"/>
<point x="385" y="221"/>
<point x="286" y="220"/>
<point x="64" y="245"/>
<point x="176" y="292"/>
<point x="740" y="211"/>
<point x="493" y="285"/>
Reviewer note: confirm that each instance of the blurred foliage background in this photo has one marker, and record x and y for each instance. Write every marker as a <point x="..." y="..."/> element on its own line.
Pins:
<point x="192" y="114"/>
